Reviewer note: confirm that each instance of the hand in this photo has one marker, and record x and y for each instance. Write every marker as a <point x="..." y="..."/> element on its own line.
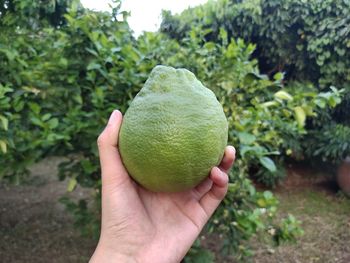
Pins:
<point x="142" y="226"/>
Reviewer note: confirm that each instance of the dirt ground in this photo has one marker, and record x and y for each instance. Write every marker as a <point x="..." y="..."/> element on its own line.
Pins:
<point x="313" y="198"/>
<point x="326" y="224"/>
<point x="34" y="227"/>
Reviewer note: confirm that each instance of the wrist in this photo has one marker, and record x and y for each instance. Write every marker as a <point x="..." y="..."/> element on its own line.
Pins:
<point x="104" y="255"/>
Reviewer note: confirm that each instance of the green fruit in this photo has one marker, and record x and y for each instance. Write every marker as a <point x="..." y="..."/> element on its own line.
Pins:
<point x="173" y="133"/>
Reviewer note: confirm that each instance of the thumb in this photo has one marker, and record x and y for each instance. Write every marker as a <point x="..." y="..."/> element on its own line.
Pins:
<point x="112" y="168"/>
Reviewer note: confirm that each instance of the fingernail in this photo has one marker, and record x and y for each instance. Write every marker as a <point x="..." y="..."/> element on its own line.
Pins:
<point x="233" y="149"/>
<point x="219" y="171"/>
<point x="112" y="117"/>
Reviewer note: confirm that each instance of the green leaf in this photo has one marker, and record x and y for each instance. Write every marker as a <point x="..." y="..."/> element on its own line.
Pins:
<point x="9" y="53"/>
<point x="223" y="35"/>
<point x="253" y="150"/>
<point x="268" y="163"/>
<point x="320" y="102"/>
<point x="93" y="52"/>
<point x="278" y="76"/>
<point x="308" y="110"/>
<point x="199" y="255"/>
<point x="299" y="47"/>
<point x="5" y="122"/>
<point x="63" y="62"/>
<point x="77" y="98"/>
<point x="18" y="105"/>
<point x="72" y="183"/>
<point x="69" y="19"/>
<point x="246" y="138"/>
<point x="341" y="52"/>
<point x="333" y="99"/>
<point x="46" y="117"/>
<point x="93" y="65"/>
<point x="300" y="116"/>
<point x="37" y="121"/>
<point x="34" y="107"/>
<point x="319" y="62"/>
<point x="283" y="95"/>
<point x="53" y="123"/>
<point x="209" y="45"/>
<point x="269" y="104"/>
<point x="261" y="202"/>
<point x="88" y="166"/>
<point x="268" y="195"/>
<point x="3" y="146"/>
<point x="31" y="90"/>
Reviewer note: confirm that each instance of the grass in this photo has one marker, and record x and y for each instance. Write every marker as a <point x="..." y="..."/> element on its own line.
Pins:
<point x="325" y="219"/>
<point x="310" y="203"/>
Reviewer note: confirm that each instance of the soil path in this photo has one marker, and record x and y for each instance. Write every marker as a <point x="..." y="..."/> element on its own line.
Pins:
<point x="34" y="227"/>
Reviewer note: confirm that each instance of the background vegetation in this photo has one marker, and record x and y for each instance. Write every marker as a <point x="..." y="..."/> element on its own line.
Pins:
<point x="307" y="40"/>
<point x="65" y="68"/>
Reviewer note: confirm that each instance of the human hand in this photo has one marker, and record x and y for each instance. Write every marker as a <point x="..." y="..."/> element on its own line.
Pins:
<point x="142" y="226"/>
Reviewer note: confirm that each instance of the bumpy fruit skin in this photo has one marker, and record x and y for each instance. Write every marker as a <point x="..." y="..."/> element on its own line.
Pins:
<point x="173" y="133"/>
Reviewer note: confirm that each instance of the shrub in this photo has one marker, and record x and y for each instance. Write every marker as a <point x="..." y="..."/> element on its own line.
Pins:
<point x="330" y="143"/>
<point x="306" y="39"/>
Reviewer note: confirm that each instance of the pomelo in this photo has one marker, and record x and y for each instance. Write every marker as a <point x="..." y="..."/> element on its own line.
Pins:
<point x="173" y="133"/>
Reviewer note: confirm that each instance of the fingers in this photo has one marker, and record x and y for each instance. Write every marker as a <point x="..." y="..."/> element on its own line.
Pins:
<point x="226" y="163"/>
<point x="202" y="188"/>
<point x="227" y="160"/>
<point x="211" y="200"/>
<point x="113" y="171"/>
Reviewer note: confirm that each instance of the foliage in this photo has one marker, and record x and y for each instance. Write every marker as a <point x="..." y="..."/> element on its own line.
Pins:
<point x="83" y="216"/>
<point x="330" y="143"/>
<point x="198" y="254"/>
<point x="5" y="106"/>
<point x="60" y="83"/>
<point x="308" y="40"/>
<point x="290" y="226"/>
<point x="29" y="14"/>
